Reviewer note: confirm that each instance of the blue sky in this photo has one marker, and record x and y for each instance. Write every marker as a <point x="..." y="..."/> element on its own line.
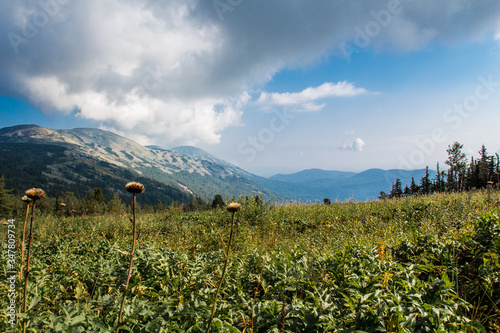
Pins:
<point x="273" y="87"/>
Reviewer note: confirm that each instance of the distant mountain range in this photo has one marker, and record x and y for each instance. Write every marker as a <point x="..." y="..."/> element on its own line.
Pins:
<point x="81" y="159"/>
<point x="316" y="184"/>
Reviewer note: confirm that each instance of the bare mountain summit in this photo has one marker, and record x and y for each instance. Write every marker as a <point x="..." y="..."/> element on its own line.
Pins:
<point x="197" y="173"/>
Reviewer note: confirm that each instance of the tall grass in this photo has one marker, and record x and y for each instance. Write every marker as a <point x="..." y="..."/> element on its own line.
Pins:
<point x="327" y="261"/>
<point x="265" y="227"/>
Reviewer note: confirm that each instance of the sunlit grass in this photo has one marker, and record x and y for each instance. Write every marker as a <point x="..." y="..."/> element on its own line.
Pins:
<point x="289" y="260"/>
<point x="265" y="227"/>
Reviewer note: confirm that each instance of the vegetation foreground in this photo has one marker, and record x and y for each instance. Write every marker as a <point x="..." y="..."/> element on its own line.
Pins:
<point x="416" y="264"/>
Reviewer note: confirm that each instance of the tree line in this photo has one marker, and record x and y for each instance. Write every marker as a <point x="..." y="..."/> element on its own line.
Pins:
<point x="95" y="203"/>
<point x="462" y="175"/>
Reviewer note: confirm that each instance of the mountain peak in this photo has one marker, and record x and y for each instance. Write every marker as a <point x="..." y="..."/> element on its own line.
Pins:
<point x="190" y="150"/>
<point x="32" y="134"/>
<point x="198" y="154"/>
<point x="18" y="128"/>
<point x="187" y="169"/>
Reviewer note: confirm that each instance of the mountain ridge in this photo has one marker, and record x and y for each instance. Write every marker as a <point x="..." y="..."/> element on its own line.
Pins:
<point x="191" y="170"/>
<point x="200" y="177"/>
<point x="317" y="184"/>
<point x="314" y="173"/>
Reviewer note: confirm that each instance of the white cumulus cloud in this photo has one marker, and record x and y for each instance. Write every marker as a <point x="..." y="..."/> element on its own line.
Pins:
<point x="304" y="100"/>
<point x="356" y="145"/>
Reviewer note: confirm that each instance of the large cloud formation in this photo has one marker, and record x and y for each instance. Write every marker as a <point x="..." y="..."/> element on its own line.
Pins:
<point x="183" y="70"/>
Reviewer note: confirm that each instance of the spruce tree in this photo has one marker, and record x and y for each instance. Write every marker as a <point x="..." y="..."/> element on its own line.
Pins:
<point x="472" y="175"/>
<point x="217" y="202"/>
<point x="396" y="191"/>
<point x="458" y="163"/>
<point x="481" y="172"/>
<point x="491" y="168"/>
<point x="439" y="184"/>
<point x="414" y="189"/>
<point x="425" y="182"/>
<point x="496" y="174"/>
<point x="483" y="167"/>
<point x="406" y="191"/>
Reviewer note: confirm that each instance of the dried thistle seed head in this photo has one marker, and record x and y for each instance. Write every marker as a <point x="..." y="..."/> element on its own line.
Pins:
<point x="26" y="199"/>
<point x="233" y="207"/>
<point x="35" y="193"/>
<point x="134" y="187"/>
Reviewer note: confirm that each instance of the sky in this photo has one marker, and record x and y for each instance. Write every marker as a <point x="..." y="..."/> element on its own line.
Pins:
<point x="270" y="86"/>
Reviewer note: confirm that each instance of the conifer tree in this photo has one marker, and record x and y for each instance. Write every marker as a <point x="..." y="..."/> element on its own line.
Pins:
<point x="439" y="184"/>
<point x="406" y="191"/>
<point x="461" y="176"/>
<point x="496" y="175"/>
<point x="458" y="164"/>
<point x="217" y="202"/>
<point x="472" y="175"/>
<point x="483" y="168"/>
<point x="396" y="191"/>
<point x="425" y="182"/>
<point x="414" y="189"/>
<point x="491" y="168"/>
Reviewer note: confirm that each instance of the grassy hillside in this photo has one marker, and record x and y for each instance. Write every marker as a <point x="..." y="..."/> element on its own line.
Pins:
<point x="58" y="169"/>
<point x="414" y="264"/>
<point x="108" y="156"/>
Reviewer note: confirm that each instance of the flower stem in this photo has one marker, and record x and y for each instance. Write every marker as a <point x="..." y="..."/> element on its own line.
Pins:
<point x="28" y="263"/>
<point x="129" y="267"/>
<point x="22" y="243"/>
<point x="223" y="274"/>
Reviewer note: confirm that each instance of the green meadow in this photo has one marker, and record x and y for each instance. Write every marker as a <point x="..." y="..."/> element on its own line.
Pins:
<point x="413" y="264"/>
